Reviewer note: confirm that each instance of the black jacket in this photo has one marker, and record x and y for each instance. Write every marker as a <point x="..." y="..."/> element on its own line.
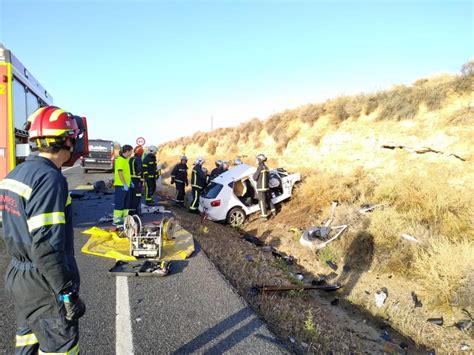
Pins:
<point x="136" y="168"/>
<point x="198" y="179"/>
<point x="149" y="167"/>
<point x="261" y="177"/>
<point x="180" y="173"/>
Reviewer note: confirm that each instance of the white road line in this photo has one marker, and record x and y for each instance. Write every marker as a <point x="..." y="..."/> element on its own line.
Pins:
<point x="71" y="167"/>
<point x="123" y="323"/>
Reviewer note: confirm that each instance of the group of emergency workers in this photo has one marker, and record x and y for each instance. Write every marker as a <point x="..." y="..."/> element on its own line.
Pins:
<point x="200" y="179"/>
<point x="132" y="172"/>
<point x="43" y="276"/>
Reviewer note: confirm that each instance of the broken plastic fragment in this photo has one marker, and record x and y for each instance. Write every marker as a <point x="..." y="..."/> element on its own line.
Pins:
<point x="416" y="300"/>
<point x="331" y="265"/>
<point x="380" y="298"/>
<point x="437" y="321"/>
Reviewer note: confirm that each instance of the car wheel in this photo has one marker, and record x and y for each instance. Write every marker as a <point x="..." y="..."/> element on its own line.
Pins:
<point x="85" y="171"/>
<point x="236" y="217"/>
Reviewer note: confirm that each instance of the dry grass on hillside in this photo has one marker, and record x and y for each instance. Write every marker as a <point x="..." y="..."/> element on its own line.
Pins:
<point x="336" y="146"/>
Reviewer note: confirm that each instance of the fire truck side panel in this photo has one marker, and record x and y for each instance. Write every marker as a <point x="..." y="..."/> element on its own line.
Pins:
<point x="7" y="139"/>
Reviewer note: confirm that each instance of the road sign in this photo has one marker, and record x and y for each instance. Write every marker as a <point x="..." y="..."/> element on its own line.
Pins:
<point x="140" y="141"/>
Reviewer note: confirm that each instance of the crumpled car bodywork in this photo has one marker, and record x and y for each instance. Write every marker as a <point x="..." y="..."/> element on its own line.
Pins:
<point x="232" y="196"/>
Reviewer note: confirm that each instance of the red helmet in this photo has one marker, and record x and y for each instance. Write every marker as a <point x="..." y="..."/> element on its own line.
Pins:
<point x="51" y="122"/>
<point x="138" y="150"/>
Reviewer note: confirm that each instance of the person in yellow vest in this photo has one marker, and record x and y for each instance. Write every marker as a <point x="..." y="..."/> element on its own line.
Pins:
<point x="122" y="183"/>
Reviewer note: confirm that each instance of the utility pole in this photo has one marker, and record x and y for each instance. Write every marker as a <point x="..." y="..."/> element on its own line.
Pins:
<point x="212" y="122"/>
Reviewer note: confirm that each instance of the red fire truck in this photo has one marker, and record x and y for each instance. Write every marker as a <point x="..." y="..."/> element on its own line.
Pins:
<point x="20" y="95"/>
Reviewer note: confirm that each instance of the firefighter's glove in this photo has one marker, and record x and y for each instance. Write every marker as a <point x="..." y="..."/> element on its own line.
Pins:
<point x="172" y="181"/>
<point x="75" y="307"/>
<point x="125" y="187"/>
<point x="187" y="183"/>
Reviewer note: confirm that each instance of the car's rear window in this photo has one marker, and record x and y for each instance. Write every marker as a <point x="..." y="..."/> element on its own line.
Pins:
<point x="212" y="190"/>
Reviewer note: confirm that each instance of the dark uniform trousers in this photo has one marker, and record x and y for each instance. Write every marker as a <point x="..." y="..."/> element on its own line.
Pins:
<point x="150" y="189"/>
<point x="50" y="328"/>
<point x="136" y="196"/>
<point x="265" y="202"/>
<point x="196" y="191"/>
<point x="180" y="187"/>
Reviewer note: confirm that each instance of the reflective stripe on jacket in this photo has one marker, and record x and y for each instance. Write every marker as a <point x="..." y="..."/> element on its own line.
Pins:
<point x="37" y="220"/>
<point x="261" y="177"/>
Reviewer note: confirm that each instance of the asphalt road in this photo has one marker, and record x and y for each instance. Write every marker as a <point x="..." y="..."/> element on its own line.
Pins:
<point x="193" y="309"/>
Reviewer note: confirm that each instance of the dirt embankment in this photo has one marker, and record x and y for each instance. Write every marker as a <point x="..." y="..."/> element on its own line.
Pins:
<point x="409" y="149"/>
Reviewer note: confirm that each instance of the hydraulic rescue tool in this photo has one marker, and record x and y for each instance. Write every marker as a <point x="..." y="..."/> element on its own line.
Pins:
<point x="146" y="240"/>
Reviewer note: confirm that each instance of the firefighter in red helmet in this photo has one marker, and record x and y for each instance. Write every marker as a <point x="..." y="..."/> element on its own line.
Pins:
<point x="42" y="276"/>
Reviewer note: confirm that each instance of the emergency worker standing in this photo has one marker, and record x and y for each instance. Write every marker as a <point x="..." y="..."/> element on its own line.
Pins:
<point x="136" y="171"/>
<point x="123" y="183"/>
<point x="179" y="177"/>
<point x="198" y="182"/>
<point x="42" y="276"/>
<point x="261" y="176"/>
<point x="216" y="171"/>
<point x="150" y="175"/>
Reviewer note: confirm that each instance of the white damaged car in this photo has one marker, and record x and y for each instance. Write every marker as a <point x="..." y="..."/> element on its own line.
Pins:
<point x="232" y="196"/>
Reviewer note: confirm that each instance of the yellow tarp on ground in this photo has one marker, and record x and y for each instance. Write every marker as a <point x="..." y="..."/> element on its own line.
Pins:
<point x="108" y="244"/>
<point x="84" y="187"/>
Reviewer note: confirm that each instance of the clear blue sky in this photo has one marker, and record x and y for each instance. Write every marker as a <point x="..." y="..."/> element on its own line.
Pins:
<point x="161" y="69"/>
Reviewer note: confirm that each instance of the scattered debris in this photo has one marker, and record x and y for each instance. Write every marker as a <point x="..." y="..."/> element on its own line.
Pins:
<point x="331" y="264"/>
<point x="335" y="301"/>
<point x="292" y="340"/>
<point x="262" y="289"/>
<point x="316" y="238"/>
<point x="437" y="321"/>
<point x="99" y="186"/>
<point x="138" y="319"/>
<point x="299" y="276"/>
<point x="318" y="281"/>
<point x="465" y="324"/>
<point x="464" y="347"/>
<point x="346" y="268"/>
<point x="380" y="297"/>
<point x="249" y="258"/>
<point x="404" y="346"/>
<point x="304" y="345"/>
<point x="409" y="238"/>
<point x="421" y="150"/>
<point x="141" y="268"/>
<point x="77" y="193"/>
<point x="369" y="207"/>
<point x="416" y="300"/>
<point x="289" y="259"/>
<point x="106" y="218"/>
<point x="254" y="240"/>
<point x="331" y="276"/>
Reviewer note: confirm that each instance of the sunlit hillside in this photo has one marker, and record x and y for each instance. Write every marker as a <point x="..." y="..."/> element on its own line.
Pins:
<point x="409" y="148"/>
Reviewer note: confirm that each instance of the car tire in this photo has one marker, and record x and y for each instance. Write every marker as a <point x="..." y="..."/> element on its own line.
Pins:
<point x="236" y="217"/>
<point x="85" y="171"/>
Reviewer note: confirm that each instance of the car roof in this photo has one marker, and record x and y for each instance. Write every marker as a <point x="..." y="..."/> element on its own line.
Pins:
<point x="236" y="173"/>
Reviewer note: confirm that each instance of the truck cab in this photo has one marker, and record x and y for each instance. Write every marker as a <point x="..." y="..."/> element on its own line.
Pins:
<point x="101" y="156"/>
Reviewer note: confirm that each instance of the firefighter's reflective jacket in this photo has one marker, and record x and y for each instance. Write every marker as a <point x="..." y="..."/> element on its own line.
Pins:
<point x="149" y="167"/>
<point x="136" y="168"/>
<point x="261" y="177"/>
<point x="37" y="224"/>
<point x="180" y="173"/>
<point x="198" y="179"/>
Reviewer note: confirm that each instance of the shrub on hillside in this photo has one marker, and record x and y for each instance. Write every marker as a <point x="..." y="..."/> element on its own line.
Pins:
<point x="400" y="103"/>
<point x="371" y="104"/>
<point x="337" y="108"/>
<point x="211" y="147"/>
<point x="310" y="113"/>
